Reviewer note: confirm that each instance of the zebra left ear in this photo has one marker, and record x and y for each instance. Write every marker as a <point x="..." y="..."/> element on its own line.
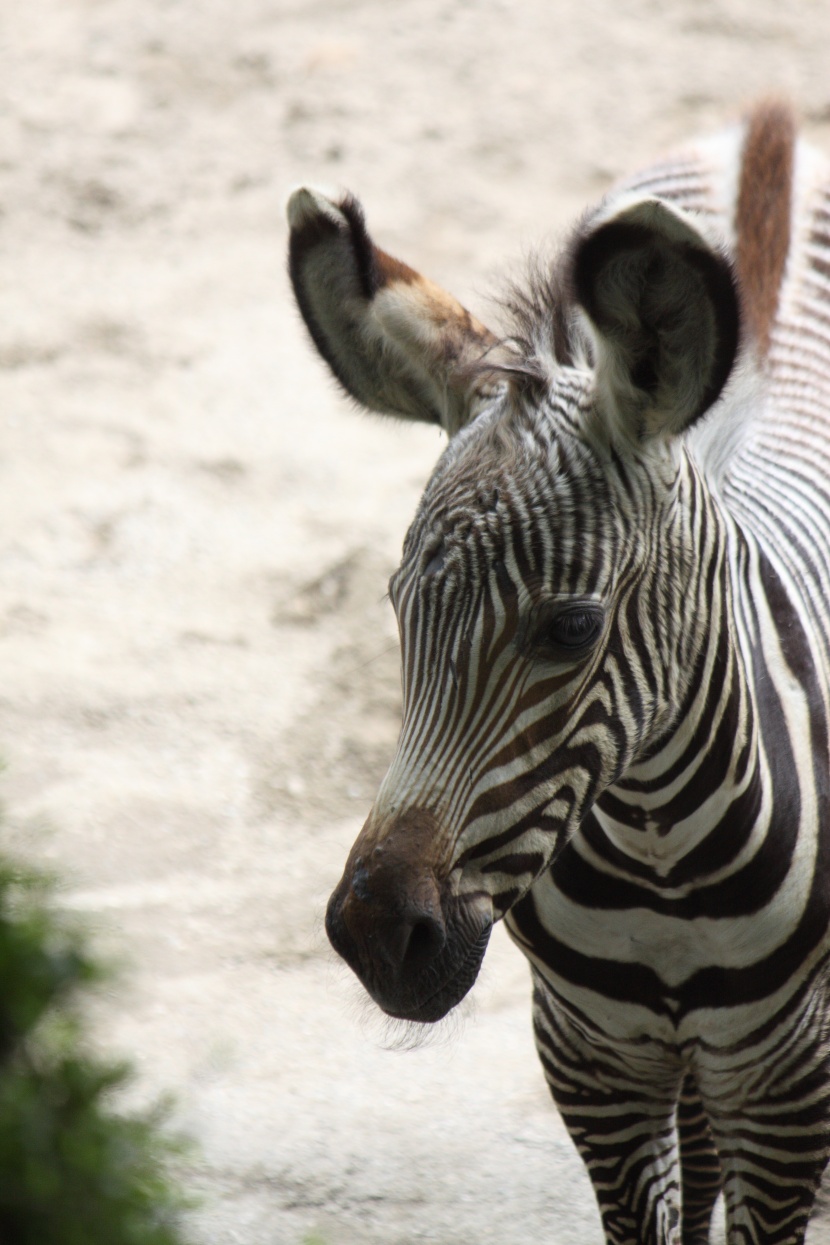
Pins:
<point x="664" y="305"/>
<point x="397" y="342"/>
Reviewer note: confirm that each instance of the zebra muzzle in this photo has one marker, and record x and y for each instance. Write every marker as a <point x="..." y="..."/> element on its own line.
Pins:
<point x="416" y="948"/>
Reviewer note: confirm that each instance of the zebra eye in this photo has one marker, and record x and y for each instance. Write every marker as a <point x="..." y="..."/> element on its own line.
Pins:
<point x="574" y="628"/>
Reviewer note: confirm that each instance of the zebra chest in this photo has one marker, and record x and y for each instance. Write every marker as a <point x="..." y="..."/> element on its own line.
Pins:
<point x="635" y="961"/>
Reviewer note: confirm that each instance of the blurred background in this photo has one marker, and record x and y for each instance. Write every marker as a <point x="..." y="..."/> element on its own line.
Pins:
<point x="198" y="671"/>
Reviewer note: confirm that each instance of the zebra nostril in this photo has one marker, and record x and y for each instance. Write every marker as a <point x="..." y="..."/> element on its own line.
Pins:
<point x="427" y="939"/>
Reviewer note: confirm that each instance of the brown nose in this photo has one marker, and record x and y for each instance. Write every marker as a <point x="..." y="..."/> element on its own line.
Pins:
<point x="398" y="923"/>
<point x="387" y="924"/>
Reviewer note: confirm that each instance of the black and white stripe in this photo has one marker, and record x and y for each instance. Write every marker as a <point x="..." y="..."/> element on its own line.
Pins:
<point x="614" y="607"/>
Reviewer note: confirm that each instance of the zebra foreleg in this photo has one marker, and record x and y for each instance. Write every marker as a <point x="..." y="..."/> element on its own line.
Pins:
<point x="770" y="1184"/>
<point x="623" y="1126"/>
<point x="700" y="1166"/>
<point x="770" y="1120"/>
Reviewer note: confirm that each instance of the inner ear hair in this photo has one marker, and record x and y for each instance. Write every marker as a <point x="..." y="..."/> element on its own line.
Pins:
<point x="396" y="341"/>
<point x="664" y="305"/>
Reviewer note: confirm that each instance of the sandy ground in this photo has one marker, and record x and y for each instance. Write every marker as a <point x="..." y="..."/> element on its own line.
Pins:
<point x="199" y="684"/>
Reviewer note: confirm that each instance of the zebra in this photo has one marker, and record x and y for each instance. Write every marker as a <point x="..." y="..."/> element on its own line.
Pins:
<point x="614" y="616"/>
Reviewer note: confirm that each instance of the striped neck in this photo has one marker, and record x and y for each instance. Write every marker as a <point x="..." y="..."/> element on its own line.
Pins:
<point x="699" y="799"/>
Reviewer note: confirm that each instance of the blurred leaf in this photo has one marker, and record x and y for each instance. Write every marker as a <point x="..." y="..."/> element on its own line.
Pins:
<point x="73" y="1171"/>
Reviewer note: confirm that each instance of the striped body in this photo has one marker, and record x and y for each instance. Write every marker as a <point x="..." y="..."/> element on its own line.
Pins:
<point x="614" y="607"/>
<point x="687" y="919"/>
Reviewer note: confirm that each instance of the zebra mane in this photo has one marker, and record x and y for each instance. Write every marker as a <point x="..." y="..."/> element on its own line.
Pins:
<point x="546" y="331"/>
<point x="541" y="310"/>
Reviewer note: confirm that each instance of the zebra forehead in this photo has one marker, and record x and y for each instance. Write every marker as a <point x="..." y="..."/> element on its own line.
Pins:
<point x="522" y="486"/>
<point x="511" y="451"/>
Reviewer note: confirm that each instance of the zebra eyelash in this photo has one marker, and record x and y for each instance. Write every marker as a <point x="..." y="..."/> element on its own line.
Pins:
<point x="563" y="630"/>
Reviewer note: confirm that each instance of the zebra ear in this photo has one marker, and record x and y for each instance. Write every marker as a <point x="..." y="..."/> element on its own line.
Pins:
<point x="396" y="342"/>
<point x="664" y="305"/>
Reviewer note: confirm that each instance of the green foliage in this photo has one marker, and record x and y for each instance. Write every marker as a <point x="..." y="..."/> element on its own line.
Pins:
<point x="72" y="1170"/>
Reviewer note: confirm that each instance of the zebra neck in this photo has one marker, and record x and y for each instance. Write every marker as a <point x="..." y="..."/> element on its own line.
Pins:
<point x="701" y="799"/>
<point x="705" y="818"/>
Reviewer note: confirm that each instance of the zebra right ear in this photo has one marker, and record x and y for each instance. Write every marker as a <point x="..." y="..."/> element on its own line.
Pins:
<point x="663" y="303"/>
<point x="396" y="342"/>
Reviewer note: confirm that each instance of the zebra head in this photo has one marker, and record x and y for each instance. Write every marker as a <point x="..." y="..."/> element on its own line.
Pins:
<point x="544" y="593"/>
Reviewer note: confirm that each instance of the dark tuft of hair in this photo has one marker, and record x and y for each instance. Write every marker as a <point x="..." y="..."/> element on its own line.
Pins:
<point x="540" y="306"/>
